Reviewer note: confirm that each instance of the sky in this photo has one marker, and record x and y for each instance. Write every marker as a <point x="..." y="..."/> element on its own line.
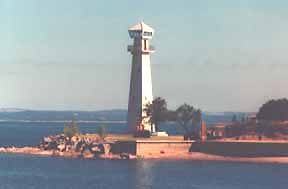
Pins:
<point x="72" y="55"/>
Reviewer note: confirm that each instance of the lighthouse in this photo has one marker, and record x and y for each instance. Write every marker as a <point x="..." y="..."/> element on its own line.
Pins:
<point x="140" y="93"/>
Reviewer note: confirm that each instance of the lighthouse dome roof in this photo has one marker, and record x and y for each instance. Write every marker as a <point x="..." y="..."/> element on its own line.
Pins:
<point x="141" y="26"/>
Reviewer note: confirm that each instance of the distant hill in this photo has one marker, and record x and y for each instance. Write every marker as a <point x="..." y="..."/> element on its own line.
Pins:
<point x="11" y="110"/>
<point x="33" y="115"/>
<point x="222" y="117"/>
<point x="16" y="114"/>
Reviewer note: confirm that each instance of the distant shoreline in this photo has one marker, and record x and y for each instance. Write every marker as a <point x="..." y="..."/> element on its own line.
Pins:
<point x="60" y="121"/>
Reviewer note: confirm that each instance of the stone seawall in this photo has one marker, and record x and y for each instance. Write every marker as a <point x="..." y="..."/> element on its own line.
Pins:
<point x="127" y="147"/>
<point x="222" y="148"/>
<point x="162" y="147"/>
<point x="242" y="149"/>
<point x="147" y="148"/>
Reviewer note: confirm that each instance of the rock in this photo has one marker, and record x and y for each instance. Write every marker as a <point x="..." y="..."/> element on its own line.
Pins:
<point x="87" y="146"/>
<point x="97" y="149"/>
<point x="2" y="149"/>
<point x="79" y="146"/>
<point x="125" y="156"/>
<point x="106" y="148"/>
<point x="74" y="139"/>
<point x="47" y="139"/>
<point x="61" y="147"/>
<point x="51" y="146"/>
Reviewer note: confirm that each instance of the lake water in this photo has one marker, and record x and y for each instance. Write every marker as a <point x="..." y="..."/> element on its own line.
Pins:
<point x="31" y="172"/>
<point x="30" y="134"/>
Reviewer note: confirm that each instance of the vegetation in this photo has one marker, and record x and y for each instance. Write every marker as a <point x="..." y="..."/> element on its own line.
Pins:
<point x="274" y="110"/>
<point x="242" y="128"/>
<point x="71" y="130"/>
<point x="270" y="122"/>
<point x="264" y="129"/>
<point x="157" y="112"/>
<point x="102" y="131"/>
<point x="188" y="118"/>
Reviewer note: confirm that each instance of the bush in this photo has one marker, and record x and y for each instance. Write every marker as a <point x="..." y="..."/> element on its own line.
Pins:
<point x="102" y="131"/>
<point x="71" y="130"/>
<point x="274" y="110"/>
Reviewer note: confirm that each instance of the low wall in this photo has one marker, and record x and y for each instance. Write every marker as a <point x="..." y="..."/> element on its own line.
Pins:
<point x="119" y="147"/>
<point x="223" y="148"/>
<point x="143" y="148"/>
<point x="247" y="149"/>
<point x="160" y="147"/>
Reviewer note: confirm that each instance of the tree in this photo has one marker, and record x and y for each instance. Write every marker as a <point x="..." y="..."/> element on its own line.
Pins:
<point x="102" y="131"/>
<point x="188" y="117"/>
<point x="171" y="115"/>
<point x="274" y="110"/>
<point x="71" y="129"/>
<point x="156" y="112"/>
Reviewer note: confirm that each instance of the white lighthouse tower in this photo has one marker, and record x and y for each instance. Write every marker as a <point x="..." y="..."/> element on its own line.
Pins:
<point x="140" y="82"/>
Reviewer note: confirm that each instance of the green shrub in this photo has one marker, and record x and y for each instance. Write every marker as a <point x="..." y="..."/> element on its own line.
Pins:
<point x="71" y="130"/>
<point x="102" y="131"/>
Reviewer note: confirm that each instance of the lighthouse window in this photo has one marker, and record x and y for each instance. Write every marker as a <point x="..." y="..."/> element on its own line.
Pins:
<point x="147" y="33"/>
<point x="135" y="34"/>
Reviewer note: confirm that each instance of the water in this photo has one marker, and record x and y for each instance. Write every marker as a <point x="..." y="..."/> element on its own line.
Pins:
<point x="30" y="134"/>
<point x="32" y="172"/>
<point x="29" y="172"/>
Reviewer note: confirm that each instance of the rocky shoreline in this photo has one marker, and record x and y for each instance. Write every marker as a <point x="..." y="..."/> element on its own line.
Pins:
<point x="80" y="146"/>
<point x="39" y="152"/>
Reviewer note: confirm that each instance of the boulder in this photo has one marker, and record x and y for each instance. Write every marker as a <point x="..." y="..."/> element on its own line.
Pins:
<point x="61" y="147"/>
<point x="125" y="156"/>
<point x="75" y="139"/>
<point x="84" y="145"/>
<point x="47" y="139"/>
<point x="2" y="149"/>
<point x="96" y="149"/>
<point x="106" y="148"/>
<point x="51" y="146"/>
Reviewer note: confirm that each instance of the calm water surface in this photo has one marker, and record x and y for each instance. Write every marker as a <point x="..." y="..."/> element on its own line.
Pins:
<point x="29" y="172"/>
<point x="30" y="134"/>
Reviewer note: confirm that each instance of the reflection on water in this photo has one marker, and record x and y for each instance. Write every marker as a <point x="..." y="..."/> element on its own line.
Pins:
<point x="144" y="174"/>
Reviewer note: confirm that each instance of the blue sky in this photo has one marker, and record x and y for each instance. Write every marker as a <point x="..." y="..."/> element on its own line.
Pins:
<point x="70" y="54"/>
